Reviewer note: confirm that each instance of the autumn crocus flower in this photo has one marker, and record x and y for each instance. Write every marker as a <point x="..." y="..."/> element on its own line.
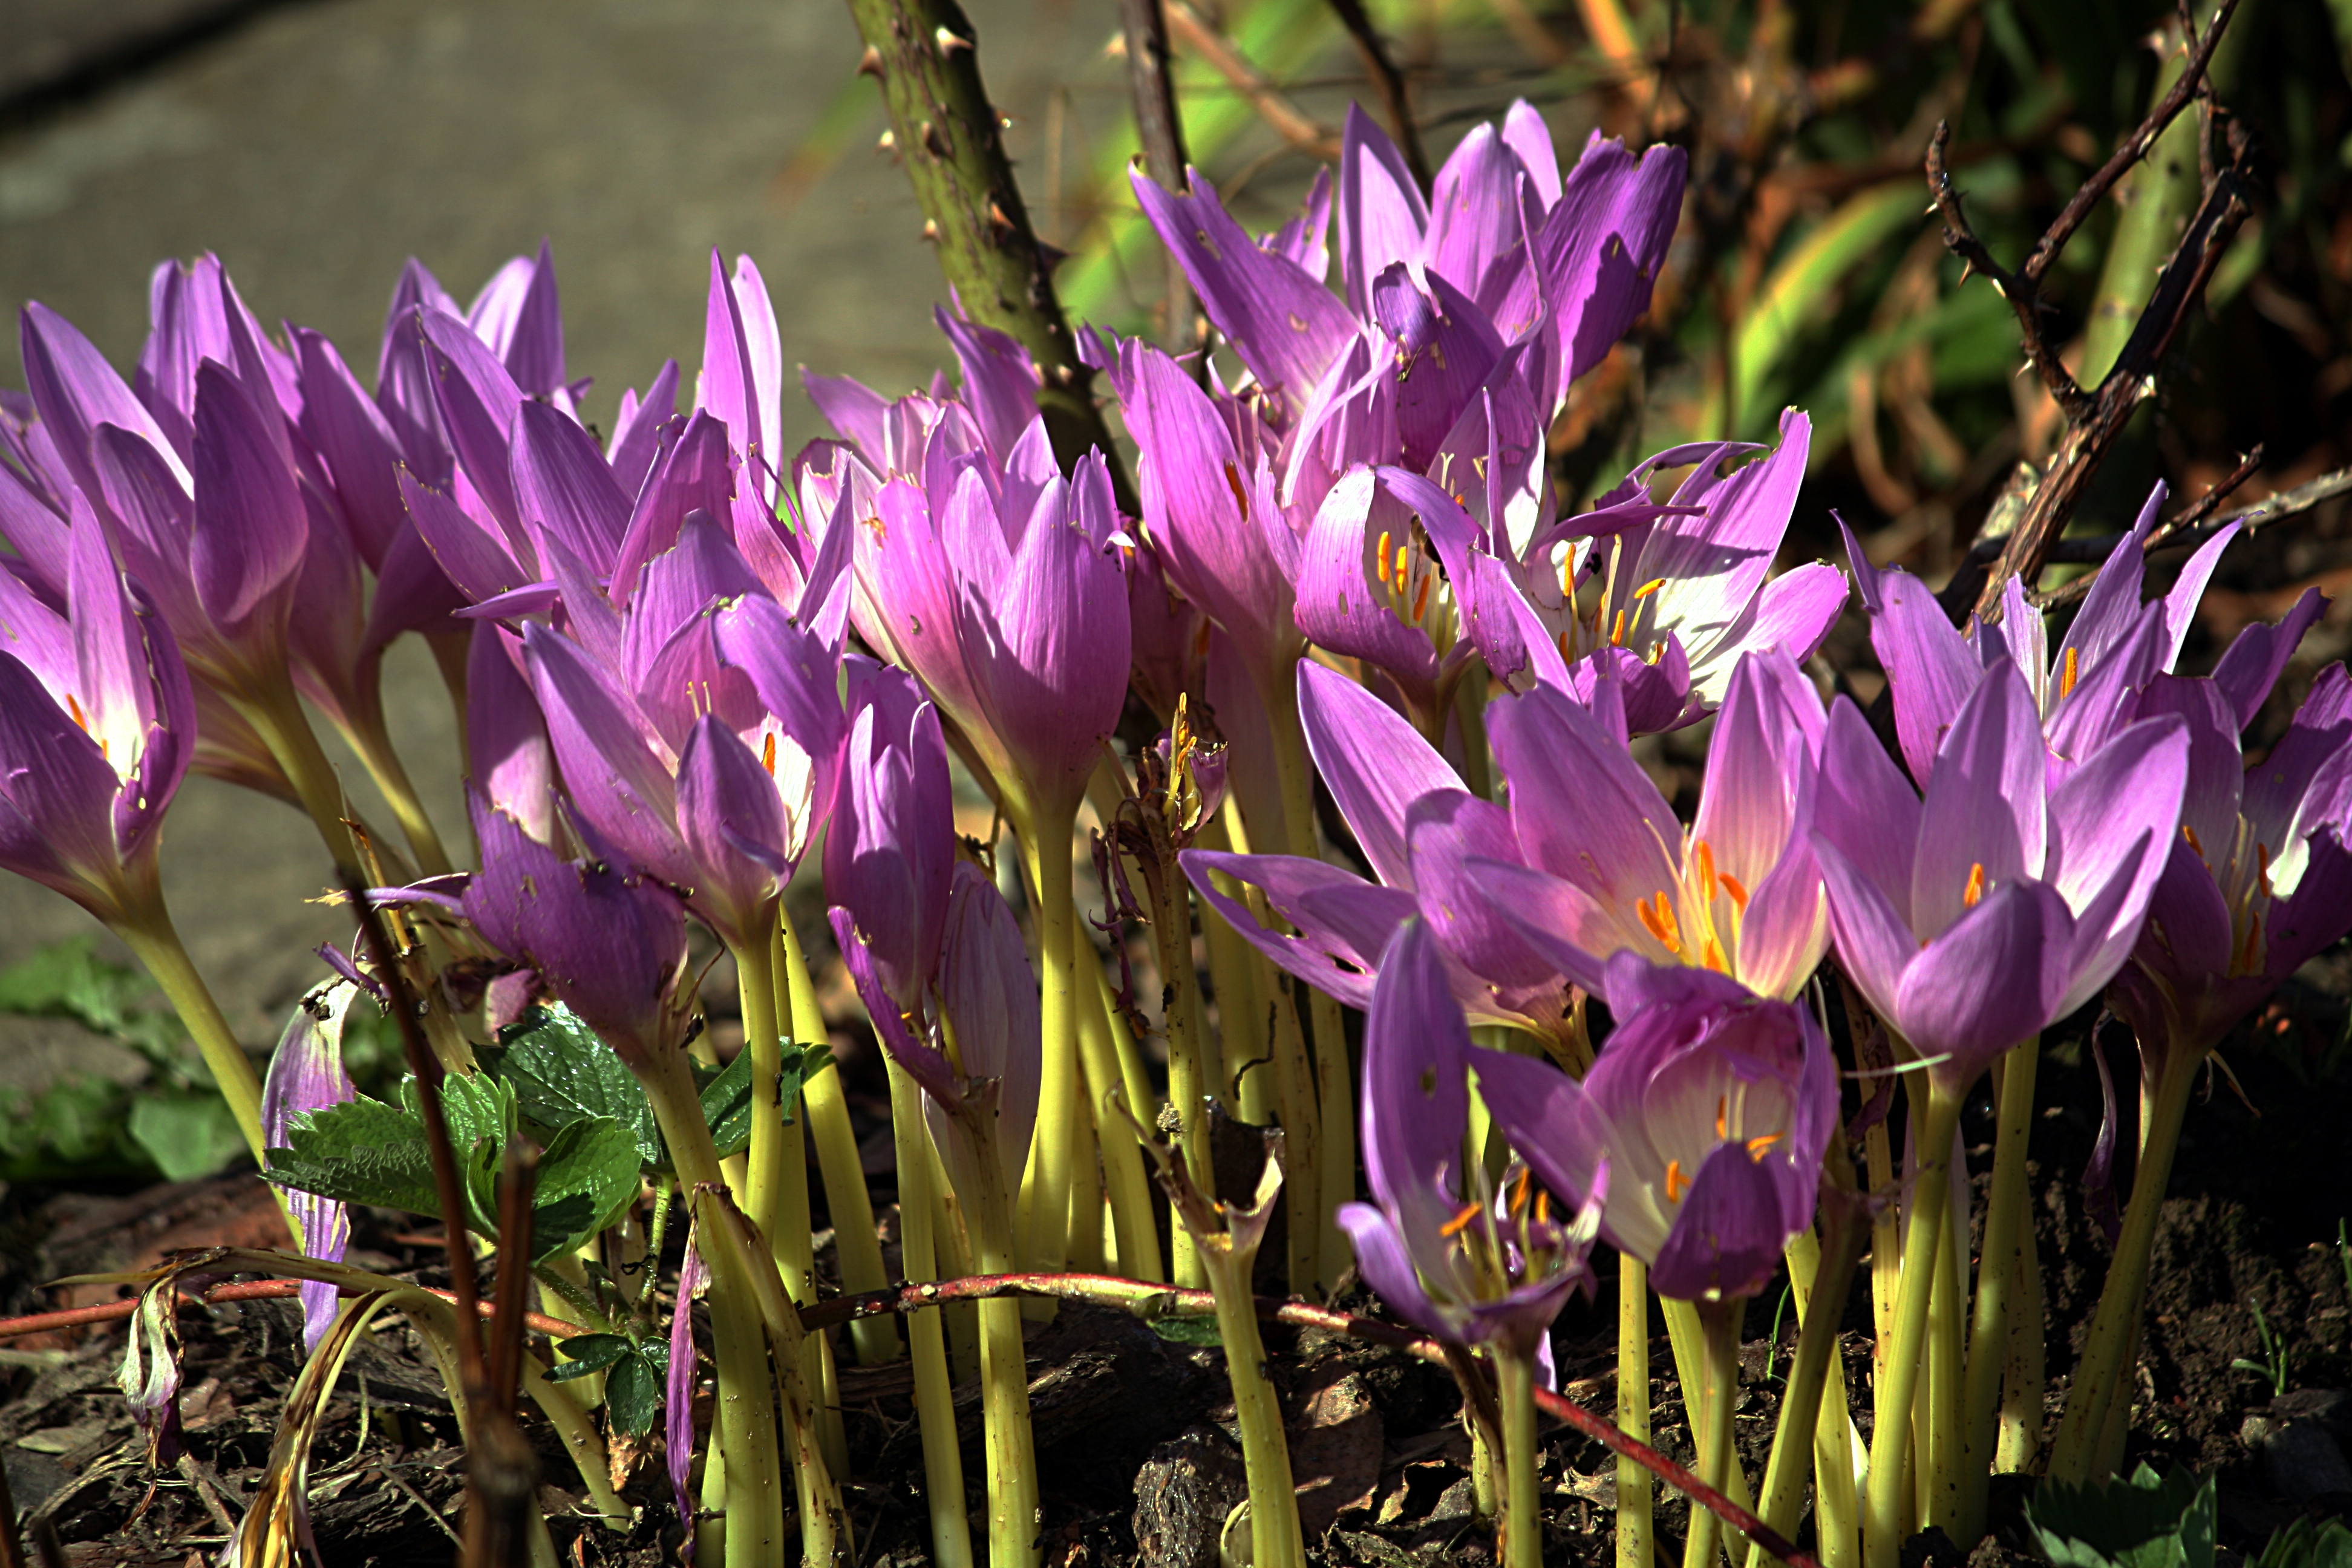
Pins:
<point x="1707" y="1108"/>
<point x="1605" y="867"/>
<point x="1444" y="1248"/>
<point x="889" y="857"/>
<point x="307" y="1074"/>
<point x="1974" y="918"/>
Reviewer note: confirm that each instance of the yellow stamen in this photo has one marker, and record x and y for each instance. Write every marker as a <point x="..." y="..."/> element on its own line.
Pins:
<point x="1543" y="1207"/>
<point x="1705" y="857"/>
<point x="1650" y="588"/>
<point x="1562" y="641"/>
<point x="74" y="707"/>
<point x="2190" y="834"/>
<point x="768" y="754"/>
<point x="1380" y="555"/>
<point x="1460" y="1221"/>
<point x="1731" y="885"/>
<point x="2066" y="676"/>
<point x="1758" y="1147"/>
<point x="1676" y="1183"/>
<point x="1617" y="634"/>
<point x="1240" y="496"/>
<point x="1420" y="600"/>
<point x="1975" y="889"/>
<point x="1723" y="1116"/>
<point x="1711" y="955"/>
<point x="1519" y="1195"/>
<point x="1661" y="923"/>
<point x="1567" y="575"/>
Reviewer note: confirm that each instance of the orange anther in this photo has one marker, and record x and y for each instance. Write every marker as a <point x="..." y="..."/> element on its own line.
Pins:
<point x="1732" y="885"/>
<point x="1676" y="1183"/>
<point x="1975" y="889"/>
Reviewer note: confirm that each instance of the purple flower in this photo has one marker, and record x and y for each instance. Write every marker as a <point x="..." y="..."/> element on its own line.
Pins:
<point x="97" y="727"/>
<point x="307" y="1074"/>
<point x="1444" y="1249"/>
<point x="1419" y="828"/>
<point x="2258" y="879"/>
<point x="1997" y="905"/>
<point x="1704" y="1118"/>
<point x="890" y="858"/>
<point x="1607" y="869"/>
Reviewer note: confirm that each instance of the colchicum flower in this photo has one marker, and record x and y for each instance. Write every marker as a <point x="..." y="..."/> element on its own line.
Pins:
<point x="1997" y="905"/>
<point x="307" y="1074"/>
<point x="1608" y="869"/>
<point x="1700" y="1129"/>
<point x="1445" y="1250"/>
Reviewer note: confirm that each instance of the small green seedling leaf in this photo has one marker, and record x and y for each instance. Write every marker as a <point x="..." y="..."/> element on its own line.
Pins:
<point x="2147" y="1522"/>
<point x="586" y="1354"/>
<point x="562" y="1072"/>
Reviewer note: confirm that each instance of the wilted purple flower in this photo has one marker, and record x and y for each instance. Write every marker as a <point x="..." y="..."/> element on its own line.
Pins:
<point x="97" y="724"/>
<point x="1442" y="1247"/>
<point x="1608" y="869"/>
<point x="305" y="1073"/>
<point x="1705" y="1117"/>
<point x="677" y="1394"/>
<point x="1418" y="826"/>
<point x="2259" y="878"/>
<point x="1997" y="905"/>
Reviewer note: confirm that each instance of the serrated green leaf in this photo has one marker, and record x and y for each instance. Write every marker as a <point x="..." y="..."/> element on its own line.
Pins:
<point x="586" y="1354"/>
<point x="187" y="1135"/>
<point x="562" y="1072"/>
<point x="633" y="1394"/>
<point x="727" y="1105"/>
<point x="360" y="1151"/>
<point x="590" y="1171"/>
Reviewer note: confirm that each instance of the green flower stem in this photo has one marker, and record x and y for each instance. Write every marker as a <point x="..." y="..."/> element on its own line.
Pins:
<point x="1234" y="974"/>
<point x="450" y="651"/>
<point x="1836" y="1442"/>
<point x="1828" y="1272"/>
<point x="1129" y="1189"/>
<point x="270" y="705"/>
<point x="1011" y="1452"/>
<point x="1947" y="1396"/>
<point x="743" y="1478"/>
<point x="1190" y="1081"/>
<point x="1686" y="1331"/>
<point x="155" y="941"/>
<point x="1041" y="1218"/>
<point x="762" y="1196"/>
<point x="580" y="1440"/>
<point x="1522" y="1539"/>
<point x="1634" y="1486"/>
<point x="1711" y="1425"/>
<point x="2074" y="1451"/>
<point x="1486" y="1479"/>
<point x="1091" y="1228"/>
<point x="2001" y="1271"/>
<point x="794" y="1243"/>
<point x="951" y="1228"/>
<point x="1275" y="1540"/>
<point x="858" y="1246"/>
<point x="573" y="1294"/>
<point x="365" y="730"/>
<point x="1334" y="1150"/>
<point x="1890" y="1441"/>
<point x="926" y="1338"/>
<point x="2027" y="1376"/>
<point x="1470" y="712"/>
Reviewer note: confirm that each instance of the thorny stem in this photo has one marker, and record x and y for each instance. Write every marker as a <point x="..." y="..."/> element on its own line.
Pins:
<point x="923" y="53"/>
<point x="1999" y="1272"/>
<point x="857" y="1243"/>
<point x="1890" y="1440"/>
<point x="1633" y="1489"/>
<point x="926" y="1338"/>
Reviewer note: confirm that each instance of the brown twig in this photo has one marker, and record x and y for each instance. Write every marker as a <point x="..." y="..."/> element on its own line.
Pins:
<point x="501" y="1471"/>
<point x="1285" y="118"/>
<point x="2095" y="418"/>
<point x="12" y="1544"/>
<point x="1159" y="127"/>
<point x="1391" y="83"/>
<point x="238" y="1291"/>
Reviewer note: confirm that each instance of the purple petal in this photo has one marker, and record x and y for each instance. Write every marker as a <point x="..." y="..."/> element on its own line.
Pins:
<point x="505" y="739"/>
<point x="638" y="428"/>
<point x="564" y="486"/>
<point x="1875" y="943"/>
<point x="677" y="1401"/>
<point x="1415" y="1098"/>
<point x="1381" y="214"/>
<point x="476" y="400"/>
<point x="478" y="562"/>
<point x="1558" y="920"/>
<point x="1473" y="209"/>
<point x="989" y="994"/>
<point x="1984" y="822"/>
<point x="732" y="825"/>
<point x="1990" y="980"/>
<point x="1386" y="1267"/>
<point x="615" y="780"/>
<point x="1583" y="808"/>
<point x="1375" y="764"/>
<point x="2258" y="656"/>
<point x="1727" y="1233"/>
<point x="246" y="543"/>
<point x="77" y="390"/>
<point x="1336" y="953"/>
<point x="1930" y="668"/>
<point x="697" y="473"/>
<point x="356" y="443"/>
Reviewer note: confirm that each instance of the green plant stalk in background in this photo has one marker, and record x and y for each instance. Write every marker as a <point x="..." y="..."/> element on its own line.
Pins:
<point x="1104" y="1068"/>
<point x="1634" y="1485"/>
<point x="1042" y="1218"/>
<point x="1711" y="1429"/>
<point x="794" y="1240"/>
<point x="926" y="1335"/>
<point x="1522" y="1539"/>
<point x="147" y="929"/>
<point x="365" y="731"/>
<point x="1890" y="1438"/>
<point x="1804" y="1409"/>
<point x="1686" y="1333"/>
<point x="1013" y="1516"/>
<point x="2000" y="1275"/>
<point x="856" y="1241"/>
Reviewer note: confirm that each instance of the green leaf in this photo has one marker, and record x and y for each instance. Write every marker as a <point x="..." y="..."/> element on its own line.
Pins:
<point x="589" y="1172"/>
<point x="2147" y="1522"/>
<point x="360" y="1151"/>
<point x="727" y="1105"/>
<point x="586" y="1354"/>
<point x="633" y="1392"/>
<point x="187" y="1135"/>
<point x="1199" y="1330"/>
<point x="2309" y="1543"/>
<point x="562" y="1072"/>
<point x="69" y="980"/>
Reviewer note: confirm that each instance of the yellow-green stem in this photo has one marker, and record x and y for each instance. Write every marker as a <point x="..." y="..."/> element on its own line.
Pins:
<point x="2001" y="1270"/>
<point x="1522" y="1539"/>
<point x="1890" y="1440"/>
<point x="1633" y="1484"/>
<point x="926" y="1339"/>
<point x="1089" y="1221"/>
<point x="1101" y="1036"/>
<point x="952" y="1241"/>
<point x="1335" y="1094"/>
<point x="1837" y="1509"/>
<point x="2073" y="1452"/>
<point x="1711" y="1420"/>
<point x="271" y="706"/>
<point x="762" y="1196"/>
<point x="155" y="942"/>
<point x="1687" y="1336"/>
<point x="855" y="1242"/>
<point x="2022" y="1386"/>
<point x="1947" y="1394"/>
<point x="1042" y="1218"/>
<point x="1485" y="1472"/>
<point x="365" y="730"/>
<point x="1188" y="1081"/>
<point x="1275" y="1540"/>
<point x="1013" y="1494"/>
<point x="1821" y="1302"/>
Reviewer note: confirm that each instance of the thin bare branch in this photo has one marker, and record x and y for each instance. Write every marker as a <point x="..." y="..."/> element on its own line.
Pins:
<point x="1159" y="127"/>
<point x="1290" y="122"/>
<point x="1391" y="83"/>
